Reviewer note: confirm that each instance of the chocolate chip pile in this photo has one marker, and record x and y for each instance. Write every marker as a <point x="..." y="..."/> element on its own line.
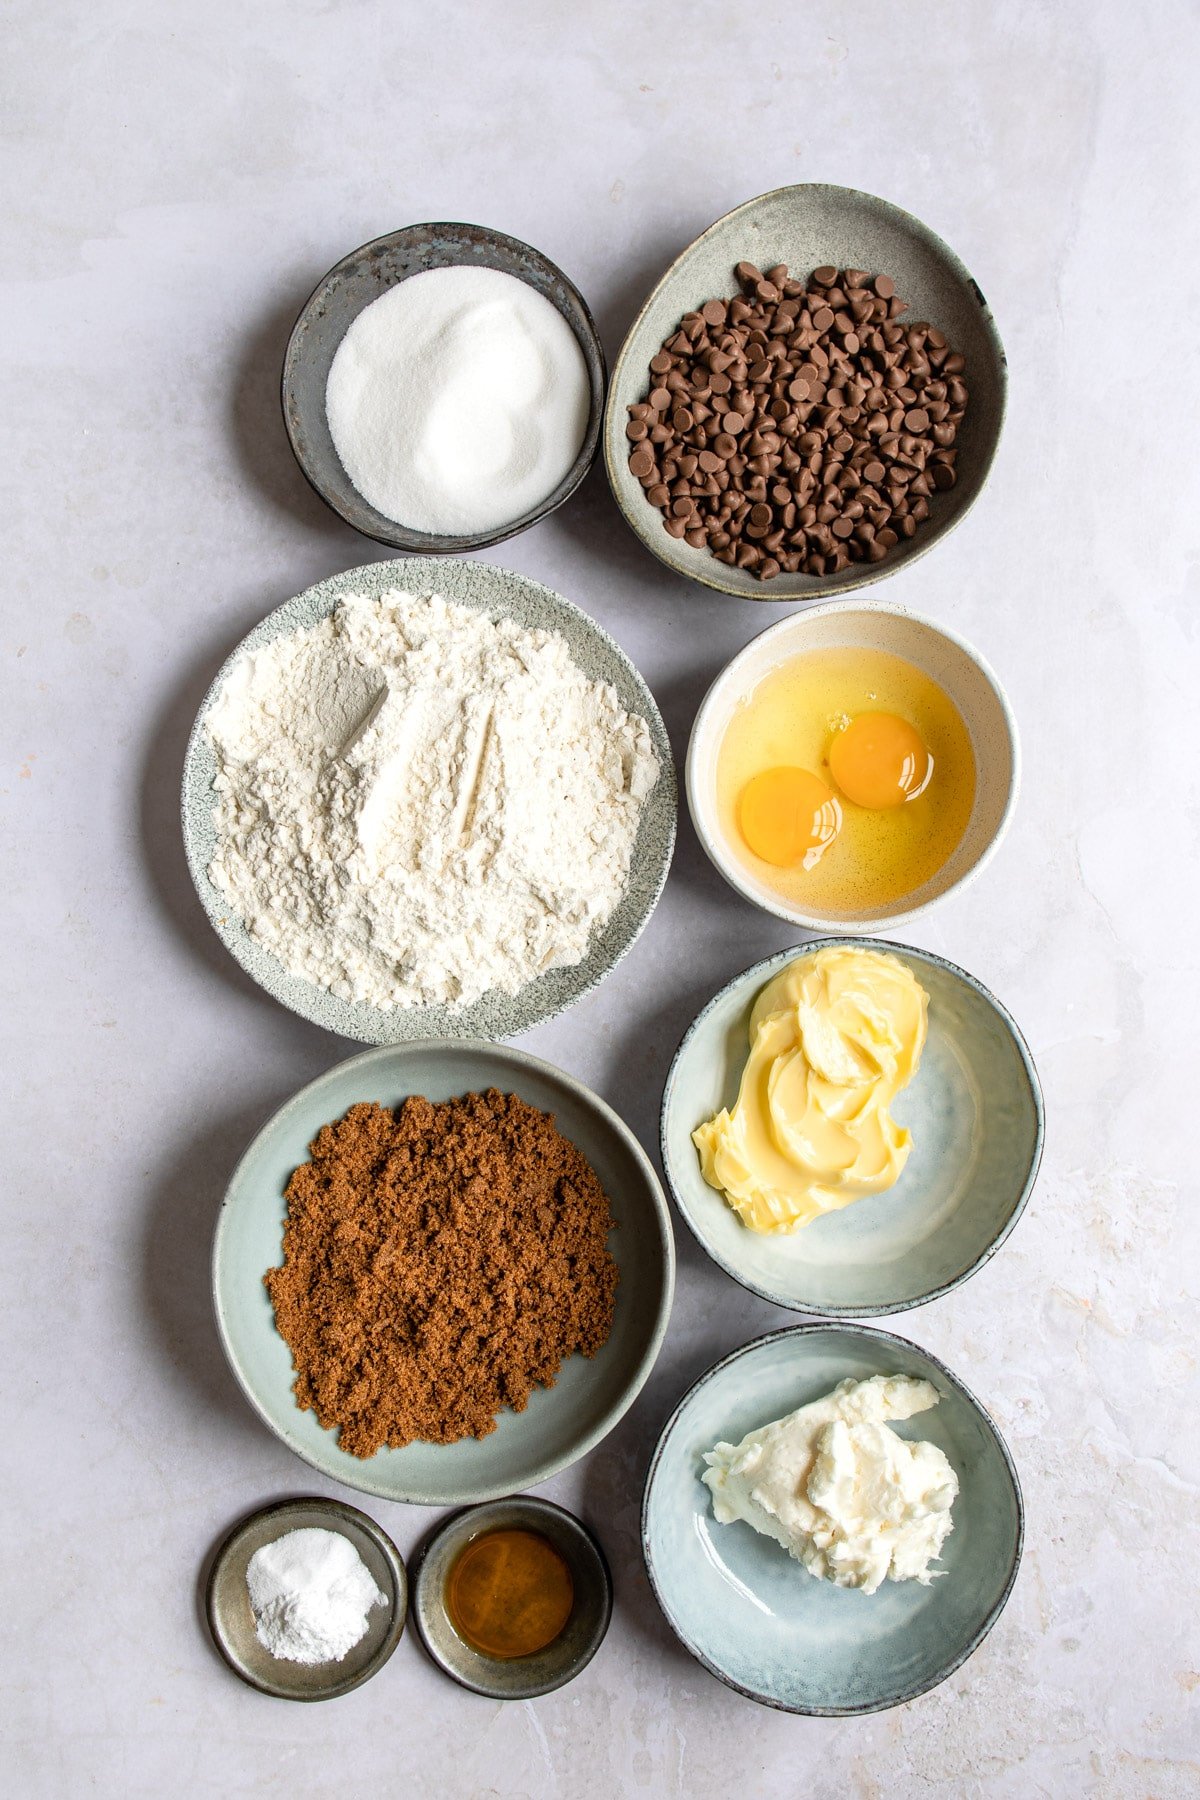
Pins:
<point x="799" y="429"/>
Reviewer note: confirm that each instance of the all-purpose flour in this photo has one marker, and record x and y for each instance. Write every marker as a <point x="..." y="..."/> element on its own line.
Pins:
<point x="416" y="803"/>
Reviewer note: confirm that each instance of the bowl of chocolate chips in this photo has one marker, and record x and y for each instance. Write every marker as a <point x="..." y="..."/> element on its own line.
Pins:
<point x="811" y="397"/>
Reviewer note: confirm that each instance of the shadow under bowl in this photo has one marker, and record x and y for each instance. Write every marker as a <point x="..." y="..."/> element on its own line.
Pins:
<point x="975" y="1112"/>
<point x="941" y="655"/>
<point x="231" y="1618"/>
<point x="347" y="290"/>
<point x="757" y="1619"/>
<point x="806" y="226"/>
<point x="518" y="1677"/>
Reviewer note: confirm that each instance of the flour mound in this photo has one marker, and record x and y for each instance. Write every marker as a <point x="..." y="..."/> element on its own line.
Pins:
<point x="416" y="803"/>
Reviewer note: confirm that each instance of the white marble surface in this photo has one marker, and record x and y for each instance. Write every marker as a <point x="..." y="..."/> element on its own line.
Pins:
<point x="175" y="179"/>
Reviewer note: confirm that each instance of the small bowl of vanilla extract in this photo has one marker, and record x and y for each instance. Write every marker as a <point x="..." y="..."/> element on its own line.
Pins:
<point x="511" y="1599"/>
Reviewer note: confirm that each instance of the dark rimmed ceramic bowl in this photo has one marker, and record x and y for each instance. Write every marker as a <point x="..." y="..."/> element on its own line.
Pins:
<point x="520" y="1677"/>
<point x="231" y="1618"/>
<point x="336" y="301"/>
<point x="805" y="226"/>
<point x="754" y="1617"/>
<point x="976" y="1114"/>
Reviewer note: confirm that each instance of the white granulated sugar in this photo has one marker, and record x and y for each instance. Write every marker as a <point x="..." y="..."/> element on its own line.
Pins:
<point x="310" y="1592"/>
<point x="458" y="400"/>
<point x="416" y="803"/>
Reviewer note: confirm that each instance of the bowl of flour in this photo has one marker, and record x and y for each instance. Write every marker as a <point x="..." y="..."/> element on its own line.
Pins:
<point x="443" y="388"/>
<point x="428" y="799"/>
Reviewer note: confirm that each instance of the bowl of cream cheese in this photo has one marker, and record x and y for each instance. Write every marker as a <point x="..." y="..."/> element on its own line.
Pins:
<point x="852" y="1128"/>
<point x="832" y="1523"/>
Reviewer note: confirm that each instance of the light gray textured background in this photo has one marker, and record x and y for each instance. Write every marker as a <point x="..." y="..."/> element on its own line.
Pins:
<point x="175" y="178"/>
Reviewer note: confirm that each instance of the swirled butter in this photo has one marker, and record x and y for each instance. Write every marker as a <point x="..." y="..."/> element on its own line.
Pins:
<point x="844" y="1494"/>
<point x="833" y="1040"/>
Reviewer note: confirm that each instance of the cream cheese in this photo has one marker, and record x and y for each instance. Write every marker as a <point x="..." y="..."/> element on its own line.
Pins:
<point x="845" y="1495"/>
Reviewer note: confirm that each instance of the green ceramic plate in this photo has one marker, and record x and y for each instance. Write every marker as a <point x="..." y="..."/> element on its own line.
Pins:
<point x="501" y="594"/>
<point x="806" y="226"/>
<point x="560" y="1423"/>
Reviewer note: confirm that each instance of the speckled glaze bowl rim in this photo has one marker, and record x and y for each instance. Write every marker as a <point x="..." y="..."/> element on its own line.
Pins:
<point x="423" y="543"/>
<point x="872" y="572"/>
<point x="799" y="622"/>
<point x="981" y="1631"/>
<point x="521" y="1059"/>
<point x="498" y="1512"/>
<point x="876" y="1309"/>
<point x="341" y="1512"/>
<point x="331" y="589"/>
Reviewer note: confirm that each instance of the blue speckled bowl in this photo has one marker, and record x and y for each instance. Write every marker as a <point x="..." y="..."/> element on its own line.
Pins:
<point x="753" y="1616"/>
<point x="975" y="1112"/>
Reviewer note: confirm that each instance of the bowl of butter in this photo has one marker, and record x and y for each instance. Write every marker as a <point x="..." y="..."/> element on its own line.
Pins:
<point x="852" y="1128"/>
<point x="832" y="1523"/>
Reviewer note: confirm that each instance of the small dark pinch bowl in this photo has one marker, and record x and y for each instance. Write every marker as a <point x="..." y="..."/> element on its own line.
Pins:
<point x="349" y="287"/>
<point x="521" y="1677"/>
<point x="231" y="1619"/>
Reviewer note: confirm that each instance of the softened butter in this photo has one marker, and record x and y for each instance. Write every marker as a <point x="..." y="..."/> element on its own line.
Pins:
<point x="833" y="1040"/>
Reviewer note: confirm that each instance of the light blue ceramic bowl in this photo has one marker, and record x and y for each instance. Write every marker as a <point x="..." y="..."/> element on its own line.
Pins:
<point x="975" y="1113"/>
<point x="560" y="1423"/>
<point x="753" y="1616"/>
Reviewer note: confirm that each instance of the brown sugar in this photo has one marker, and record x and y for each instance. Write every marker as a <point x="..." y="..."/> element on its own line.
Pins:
<point x="439" y="1263"/>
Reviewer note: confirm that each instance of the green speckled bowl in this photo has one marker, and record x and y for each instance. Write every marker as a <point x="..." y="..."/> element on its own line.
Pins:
<point x="501" y="594"/>
<point x="560" y="1424"/>
<point x="752" y="1615"/>
<point x="805" y="226"/>
<point x="974" y="1109"/>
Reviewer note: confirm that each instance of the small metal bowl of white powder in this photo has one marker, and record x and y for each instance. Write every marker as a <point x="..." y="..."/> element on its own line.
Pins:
<point x="443" y="388"/>
<point x="307" y="1599"/>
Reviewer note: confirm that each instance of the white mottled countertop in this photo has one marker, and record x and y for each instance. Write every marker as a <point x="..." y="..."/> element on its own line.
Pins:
<point x="175" y="178"/>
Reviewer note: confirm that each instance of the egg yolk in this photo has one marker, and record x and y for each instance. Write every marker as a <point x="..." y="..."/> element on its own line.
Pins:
<point x="788" y="816"/>
<point x="880" y="760"/>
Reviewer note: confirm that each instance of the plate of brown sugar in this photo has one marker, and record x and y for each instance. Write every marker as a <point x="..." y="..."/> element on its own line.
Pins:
<point x="443" y="1271"/>
<point x="811" y="397"/>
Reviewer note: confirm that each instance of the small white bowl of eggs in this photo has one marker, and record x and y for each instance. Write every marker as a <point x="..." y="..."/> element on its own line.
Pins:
<point x="851" y="766"/>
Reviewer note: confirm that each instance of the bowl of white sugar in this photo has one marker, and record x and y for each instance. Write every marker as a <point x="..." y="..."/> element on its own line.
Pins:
<point x="443" y="388"/>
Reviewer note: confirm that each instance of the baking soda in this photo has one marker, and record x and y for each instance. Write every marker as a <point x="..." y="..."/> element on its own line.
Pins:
<point x="310" y="1592"/>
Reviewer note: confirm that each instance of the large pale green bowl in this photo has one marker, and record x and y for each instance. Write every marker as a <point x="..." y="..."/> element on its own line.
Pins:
<point x="560" y="1423"/>
<point x="756" y="1618"/>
